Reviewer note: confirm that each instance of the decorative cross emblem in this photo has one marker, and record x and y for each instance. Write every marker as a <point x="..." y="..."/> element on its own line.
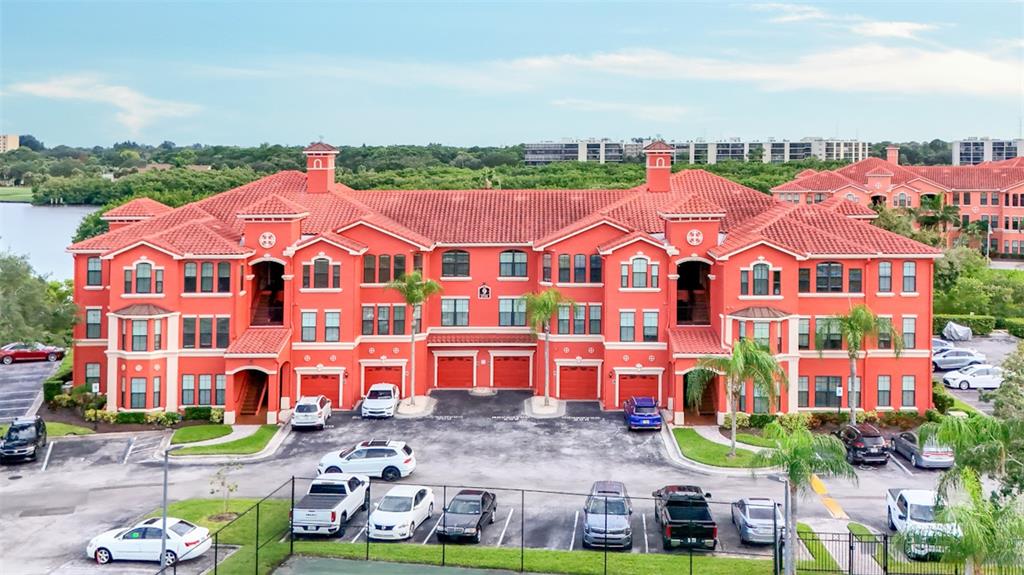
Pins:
<point x="694" y="237"/>
<point x="267" y="240"/>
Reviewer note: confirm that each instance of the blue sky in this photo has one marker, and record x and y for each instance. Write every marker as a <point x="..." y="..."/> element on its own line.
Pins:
<point x="86" y="73"/>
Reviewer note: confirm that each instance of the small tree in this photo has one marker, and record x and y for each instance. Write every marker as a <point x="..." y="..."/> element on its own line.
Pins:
<point x="749" y="361"/>
<point x="987" y="445"/>
<point x="539" y="309"/>
<point x="220" y="484"/>
<point x="800" y="455"/>
<point x="414" y="290"/>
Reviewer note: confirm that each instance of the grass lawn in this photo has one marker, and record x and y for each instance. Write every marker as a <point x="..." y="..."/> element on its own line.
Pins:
<point x="755" y="440"/>
<point x="960" y="405"/>
<point x="244" y="446"/>
<point x="200" y="433"/>
<point x="21" y="195"/>
<point x="57" y="429"/>
<point x="707" y="452"/>
<point x="823" y="560"/>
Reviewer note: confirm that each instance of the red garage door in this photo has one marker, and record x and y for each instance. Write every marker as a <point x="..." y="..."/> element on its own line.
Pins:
<point x="389" y="374"/>
<point x="326" y="385"/>
<point x="511" y="372"/>
<point x="577" y="382"/>
<point x="455" y="371"/>
<point x="637" y="385"/>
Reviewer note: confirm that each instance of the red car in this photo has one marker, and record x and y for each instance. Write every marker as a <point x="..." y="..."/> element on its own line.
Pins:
<point x="18" y="351"/>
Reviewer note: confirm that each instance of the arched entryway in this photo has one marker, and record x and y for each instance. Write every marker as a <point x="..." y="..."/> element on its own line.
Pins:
<point x="692" y="299"/>
<point x="252" y="396"/>
<point x="878" y="200"/>
<point x="267" y="304"/>
<point x="701" y="400"/>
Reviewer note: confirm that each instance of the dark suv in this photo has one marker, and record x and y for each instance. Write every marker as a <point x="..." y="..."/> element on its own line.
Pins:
<point x="864" y="444"/>
<point x="23" y="440"/>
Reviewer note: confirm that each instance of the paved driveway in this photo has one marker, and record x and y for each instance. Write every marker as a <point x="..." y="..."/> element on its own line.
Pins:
<point x="20" y="383"/>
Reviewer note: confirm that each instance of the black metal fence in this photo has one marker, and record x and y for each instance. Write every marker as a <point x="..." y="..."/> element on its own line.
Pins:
<point x="532" y="530"/>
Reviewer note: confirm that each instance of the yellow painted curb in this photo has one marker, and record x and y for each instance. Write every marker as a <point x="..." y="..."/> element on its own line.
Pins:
<point x="833" y="507"/>
<point x="818" y="485"/>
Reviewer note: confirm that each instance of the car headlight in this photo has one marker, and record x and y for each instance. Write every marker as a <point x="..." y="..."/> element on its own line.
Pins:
<point x="471" y="530"/>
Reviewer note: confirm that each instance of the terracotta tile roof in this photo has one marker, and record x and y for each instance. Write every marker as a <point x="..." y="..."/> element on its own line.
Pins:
<point x="265" y="340"/>
<point x="849" y="208"/>
<point x="858" y="171"/>
<point x="825" y="181"/>
<point x="141" y="310"/>
<point x="320" y="147"/>
<point x="693" y="205"/>
<point x="582" y="224"/>
<point x="625" y="239"/>
<point x="807" y="172"/>
<point x="658" y="146"/>
<point x="273" y="206"/>
<point x="981" y="177"/>
<point x="879" y="171"/>
<point x="481" y="339"/>
<point x="138" y="208"/>
<point x="339" y="239"/>
<point x="695" y="340"/>
<point x="1017" y="162"/>
<point x="759" y="312"/>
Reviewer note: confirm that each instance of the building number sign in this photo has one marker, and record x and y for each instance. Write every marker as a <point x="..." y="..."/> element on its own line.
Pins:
<point x="483" y="292"/>
<point x="267" y="240"/>
<point x="694" y="237"/>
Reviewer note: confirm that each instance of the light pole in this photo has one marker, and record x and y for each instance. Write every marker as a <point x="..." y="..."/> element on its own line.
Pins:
<point x="787" y="519"/>
<point x="163" y="524"/>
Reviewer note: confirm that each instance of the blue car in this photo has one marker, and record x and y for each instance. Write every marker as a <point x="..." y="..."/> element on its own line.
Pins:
<point x="641" y="413"/>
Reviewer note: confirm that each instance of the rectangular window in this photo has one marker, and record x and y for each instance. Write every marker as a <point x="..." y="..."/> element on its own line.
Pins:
<point x="596" y="263"/>
<point x="138" y="396"/>
<point x="856" y="281"/>
<point x="367" y="323"/>
<point x="206" y="277"/>
<point x="545" y="274"/>
<point x="760" y="273"/>
<point x="92" y="324"/>
<point x="579" y="320"/>
<point x="455" y="263"/>
<point x="221" y="382"/>
<point x="829" y="278"/>
<point x="124" y="335"/>
<point x="332" y="326"/>
<point x="511" y="311"/>
<point x="801" y="391"/>
<point x="742" y="331"/>
<point x="743" y="398"/>
<point x="829" y="333"/>
<point x="383" y="320"/>
<point x="804" y="283"/>
<point x="94" y="272"/>
<point x="190" y="277"/>
<point x="306" y="273"/>
<point x="188" y="390"/>
<point x="804" y="333"/>
<point x="639" y="273"/>
<point x="776" y="282"/>
<point x="417" y="262"/>
<point x="624" y="276"/>
<point x="655" y="275"/>
<point x="825" y="390"/>
<point x="579" y="268"/>
<point x="564" y="273"/>
<point x="205" y="387"/>
<point x="910" y="277"/>
<point x="909" y="391"/>
<point x="884" y="333"/>
<point x="967" y="198"/>
<point x="595" y="319"/>
<point x="158" y="281"/>
<point x="884" y="391"/>
<point x="398" y="320"/>
<point x="761" y="334"/>
<point x="563" y="319"/>
<point x="650" y="326"/>
<point x="156" y="391"/>
<point x="188" y="333"/>
<point x="140" y="334"/>
<point x="984" y="199"/>
<point x="143" y="278"/>
<point x="417" y="317"/>
<point x="627" y="325"/>
<point x="760" y="400"/>
<point x="223" y="332"/>
<point x="383" y="269"/>
<point x="455" y="311"/>
<point x="92" y="374"/>
<point x="206" y="332"/>
<point x="399" y="271"/>
<point x="223" y="277"/>
<point x="885" y="277"/>
<point x="909" y="332"/>
<point x="128" y="281"/>
<point x="369" y="268"/>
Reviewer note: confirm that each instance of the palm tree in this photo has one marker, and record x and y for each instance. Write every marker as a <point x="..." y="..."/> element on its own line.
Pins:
<point x="853" y="327"/>
<point x="539" y="309"/>
<point x="415" y="290"/>
<point x="988" y="445"/>
<point x="974" y="231"/>
<point x="800" y="455"/>
<point x="749" y="361"/>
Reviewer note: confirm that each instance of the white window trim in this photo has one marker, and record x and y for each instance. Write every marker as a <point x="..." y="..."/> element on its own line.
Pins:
<point x="191" y="295"/>
<point x="909" y="294"/>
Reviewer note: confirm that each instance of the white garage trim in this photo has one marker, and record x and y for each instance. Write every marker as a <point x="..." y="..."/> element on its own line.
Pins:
<point x="659" y="371"/>
<point x="578" y="362"/>
<point x="495" y="354"/>
<point x="438" y="354"/>
<point x="320" y="370"/>
<point x="363" y="363"/>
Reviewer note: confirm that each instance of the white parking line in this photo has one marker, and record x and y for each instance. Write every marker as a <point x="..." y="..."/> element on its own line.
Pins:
<point x="575" y="520"/>
<point x="434" y="528"/>
<point x="643" y="517"/>
<point x="127" y="454"/>
<point x="900" y="465"/>
<point x="505" y="528"/>
<point x="46" y="460"/>
<point x="360" y="534"/>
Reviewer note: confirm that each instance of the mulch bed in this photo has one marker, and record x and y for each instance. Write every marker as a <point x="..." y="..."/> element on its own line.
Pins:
<point x="72" y="417"/>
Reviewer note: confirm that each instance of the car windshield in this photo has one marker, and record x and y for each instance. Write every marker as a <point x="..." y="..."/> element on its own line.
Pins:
<point x="182" y="527"/>
<point x="345" y="453"/>
<point x="760" y="512"/>
<point x="305" y="408"/>
<point x="922" y="513"/>
<point x="21" y="433"/>
<point x="395" y="504"/>
<point x="645" y="410"/>
<point x="873" y="440"/>
<point x="616" y="506"/>
<point x="379" y="394"/>
<point x="464" y="506"/>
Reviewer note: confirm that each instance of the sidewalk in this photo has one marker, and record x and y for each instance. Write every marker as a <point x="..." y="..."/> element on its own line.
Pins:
<point x="237" y="432"/>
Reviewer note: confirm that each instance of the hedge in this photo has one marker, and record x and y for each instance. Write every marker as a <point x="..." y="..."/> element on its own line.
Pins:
<point x="198" y="413"/>
<point x="131" y="417"/>
<point x="1015" y="325"/>
<point x="52" y="386"/>
<point x="979" y="324"/>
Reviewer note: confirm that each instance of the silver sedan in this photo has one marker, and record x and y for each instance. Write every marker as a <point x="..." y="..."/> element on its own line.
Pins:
<point x="931" y="456"/>
<point x="758" y="519"/>
<point x="955" y="358"/>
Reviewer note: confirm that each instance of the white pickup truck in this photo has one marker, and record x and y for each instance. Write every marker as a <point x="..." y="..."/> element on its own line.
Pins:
<point x="331" y="500"/>
<point x="912" y="512"/>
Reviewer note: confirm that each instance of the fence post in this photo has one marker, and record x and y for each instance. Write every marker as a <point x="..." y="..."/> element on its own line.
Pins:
<point x="691" y="551"/>
<point x="444" y="518"/>
<point x="605" y="534"/>
<point x="216" y="550"/>
<point x="849" y="565"/>
<point x="775" y="543"/>
<point x="291" y="522"/>
<point x="368" y="510"/>
<point x="256" y="563"/>
<point x="885" y="553"/>
<point x="522" y="531"/>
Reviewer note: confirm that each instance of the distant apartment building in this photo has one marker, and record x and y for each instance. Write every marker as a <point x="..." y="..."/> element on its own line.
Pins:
<point x="9" y="142"/>
<point x="973" y="151"/>
<point x="698" y="151"/>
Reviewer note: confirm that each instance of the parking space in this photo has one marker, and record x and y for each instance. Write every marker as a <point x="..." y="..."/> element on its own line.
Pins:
<point x="86" y="566"/>
<point x="20" y="384"/>
<point x="143" y="447"/>
<point x="996" y="348"/>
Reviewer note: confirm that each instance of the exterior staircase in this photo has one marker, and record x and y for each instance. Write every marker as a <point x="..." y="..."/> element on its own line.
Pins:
<point x="693" y="311"/>
<point x="252" y="401"/>
<point x="263" y="312"/>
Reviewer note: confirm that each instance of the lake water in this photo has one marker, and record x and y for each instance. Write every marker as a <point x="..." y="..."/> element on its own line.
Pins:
<point x="42" y="233"/>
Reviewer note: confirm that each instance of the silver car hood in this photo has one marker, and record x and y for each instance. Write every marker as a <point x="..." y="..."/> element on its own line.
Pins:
<point x="613" y="521"/>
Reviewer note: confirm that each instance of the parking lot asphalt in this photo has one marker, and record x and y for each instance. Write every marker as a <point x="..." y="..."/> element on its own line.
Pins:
<point x="20" y="384"/>
<point x="996" y="348"/>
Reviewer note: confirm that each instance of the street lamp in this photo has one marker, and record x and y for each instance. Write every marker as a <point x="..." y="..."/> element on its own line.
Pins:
<point x="787" y="510"/>
<point x="163" y="524"/>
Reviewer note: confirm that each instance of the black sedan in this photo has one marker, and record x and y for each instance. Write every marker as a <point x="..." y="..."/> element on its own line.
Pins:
<point x="467" y="513"/>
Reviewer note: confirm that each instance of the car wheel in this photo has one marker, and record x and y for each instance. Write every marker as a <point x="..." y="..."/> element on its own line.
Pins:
<point x="391" y="474"/>
<point x="935" y="366"/>
<point x="964" y="385"/>
<point x="333" y="469"/>
<point x="430" y="511"/>
<point x="888" y="516"/>
<point x="102" y="555"/>
<point x="170" y="557"/>
<point x="479" y="533"/>
<point x="913" y="460"/>
<point x="51" y="357"/>
<point x="849" y="456"/>
<point x="7" y="360"/>
<point x="412" y="530"/>
<point x="493" y="513"/>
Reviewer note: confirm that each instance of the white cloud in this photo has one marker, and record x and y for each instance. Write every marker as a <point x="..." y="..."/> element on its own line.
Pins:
<point x="791" y="12"/>
<point x="907" y="30"/>
<point x="857" y="24"/>
<point x="665" y="113"/>
<point x="134" y="109"/>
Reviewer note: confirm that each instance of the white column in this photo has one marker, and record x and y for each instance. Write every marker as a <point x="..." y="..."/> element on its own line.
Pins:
<point x="171" y="383"/>
<point x="113" y="381"/>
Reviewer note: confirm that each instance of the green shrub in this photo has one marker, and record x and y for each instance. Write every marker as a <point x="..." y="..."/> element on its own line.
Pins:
<point x="941" y="399"/>
<point x="828" y="417"/>
<point x="52" y="386"/>
<point x="216" y="415"/>
<point x="867" y="417"/>
<point x="198" y="413"/>
<point x="979" y="324"/>
<point x="131" y="417"/>
<point x="901" y="419"/>
<point x="62" y="400"/>
<point x="933" y="415"/>
<point x="759" y="420"/>
<point x="742" y="420"/>
<point x="164" y="418"/>
<point x="793" y="421"/>
<point x="100" y="415"/>
<point x="1015" y="325"/>
<point x="51" y="389"/>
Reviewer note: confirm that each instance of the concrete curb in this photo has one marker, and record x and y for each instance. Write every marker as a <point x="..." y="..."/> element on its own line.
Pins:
<point x="559" y="409"/>
<point x="266" y="453"/>
<point x="424" y="409"/>
<point x="677" y="459"/>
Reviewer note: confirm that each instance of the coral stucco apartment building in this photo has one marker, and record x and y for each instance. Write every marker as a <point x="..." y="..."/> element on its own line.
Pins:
<point x="258" y="295"/>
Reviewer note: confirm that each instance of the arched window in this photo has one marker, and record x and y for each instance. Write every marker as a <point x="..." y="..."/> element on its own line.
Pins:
<point x="317" y="164"/>
<point x="455" y="264"/>
<point x="659" y="163"/>
<point x="512" y="264"/>
<point x="902" y="200"/>
<point x="143" y="278"/>
<point x="639" y="273"/>
<point x="760" y="279"/>
<point x="321" y="271"/>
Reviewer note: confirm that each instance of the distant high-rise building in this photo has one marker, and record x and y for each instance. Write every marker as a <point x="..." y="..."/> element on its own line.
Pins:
<point x="590" y="150"/>
<point x="9" y="142"/>
<point x="977" y="150"/>
<point x="698" y="151"/>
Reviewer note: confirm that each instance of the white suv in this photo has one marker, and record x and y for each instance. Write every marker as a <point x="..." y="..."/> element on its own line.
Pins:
<point x="389" y="460"/>
<point x="311" y="412"/>
<point x="381" y="400"/>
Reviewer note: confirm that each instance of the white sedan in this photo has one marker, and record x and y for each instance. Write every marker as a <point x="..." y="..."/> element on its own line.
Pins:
<point x="381" y="400"/>
<point x="142" y="542"/>
<point x="981" y="376"/>
<point x="400" y="512"/>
